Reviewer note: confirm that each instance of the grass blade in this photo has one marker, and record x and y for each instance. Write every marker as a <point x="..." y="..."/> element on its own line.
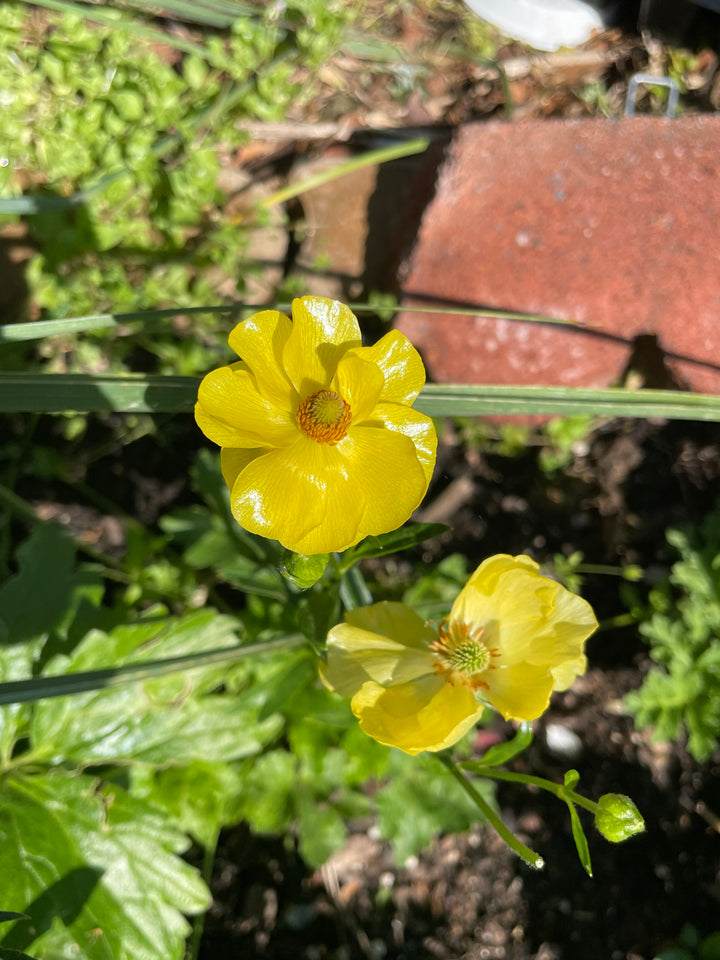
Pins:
<point x="39" y="688"/>
<point x="156" y="393"/>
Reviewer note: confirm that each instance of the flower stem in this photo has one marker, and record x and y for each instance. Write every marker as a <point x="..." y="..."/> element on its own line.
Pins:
<point x="558" y="789"/>
<point x="529" y="856"/>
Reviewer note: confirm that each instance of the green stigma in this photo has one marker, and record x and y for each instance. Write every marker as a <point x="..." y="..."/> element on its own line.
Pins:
<point x="470" y="657"/>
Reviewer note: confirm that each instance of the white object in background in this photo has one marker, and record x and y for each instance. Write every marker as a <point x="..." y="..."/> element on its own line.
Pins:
<point x="543" y="24"/>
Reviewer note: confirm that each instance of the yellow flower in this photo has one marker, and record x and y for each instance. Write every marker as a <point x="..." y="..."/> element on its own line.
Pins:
<point x="320" y="446"/>
<point x="512" y="637"/>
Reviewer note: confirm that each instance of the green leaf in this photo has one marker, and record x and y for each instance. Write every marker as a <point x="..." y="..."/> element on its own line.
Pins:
<point x="14" y="955"/>
<point x="320" y="826"/>
<point x="164" y="720"/>
<point x="36" y="600"/>
<point x="148" y="393"/>
<point x="96" y="870"/>
<point x="201" y="797"/>
<point x="417" y="804"/>
<point x="580" y="839"/>
<point x="402" y="539"/>
<point x="571" y="779"/>
<point x="501" y="753"/>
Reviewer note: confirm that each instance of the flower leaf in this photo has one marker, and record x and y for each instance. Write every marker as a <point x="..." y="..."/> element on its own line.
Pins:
<point x="408" y="536"/>
<point x="501" y="753"/>
<point x="96" y="870"/>
<point x="580" y="839"/>
<point x="170" y="719"/>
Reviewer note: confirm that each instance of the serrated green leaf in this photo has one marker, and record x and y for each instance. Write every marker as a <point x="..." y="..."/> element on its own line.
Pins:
<point x="419" y="802"/>
<point x="164" y="720"/>
<point x="580" y="839"/>
<point x="201" y="797"/>
<point x="321" y="828"/>
<point x="501" y="753"/>
<point x="96" y="870"/>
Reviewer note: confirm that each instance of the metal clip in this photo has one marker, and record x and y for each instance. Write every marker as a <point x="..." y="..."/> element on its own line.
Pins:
<point x="648" y="78"/>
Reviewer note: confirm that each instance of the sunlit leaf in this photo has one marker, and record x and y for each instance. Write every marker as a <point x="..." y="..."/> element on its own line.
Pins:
<point x="97" y="871"/>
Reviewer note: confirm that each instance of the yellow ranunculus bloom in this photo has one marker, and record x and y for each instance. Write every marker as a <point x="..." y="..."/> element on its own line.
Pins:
<point x="512" y="637"/>
<point x="320" y="446"/>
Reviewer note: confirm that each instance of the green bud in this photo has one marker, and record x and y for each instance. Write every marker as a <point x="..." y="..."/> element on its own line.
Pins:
<point x="633" y="573"/>
<point x="617" y="817"/>
<point x="303" y="571"/>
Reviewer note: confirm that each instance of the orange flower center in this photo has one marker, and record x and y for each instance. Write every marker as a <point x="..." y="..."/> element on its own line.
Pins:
<point x="324" y="417"/>
<point x="462" y="655"/>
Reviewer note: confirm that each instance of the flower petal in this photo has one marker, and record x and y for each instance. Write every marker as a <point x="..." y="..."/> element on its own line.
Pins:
<point x="284" y="495"/>
<point x="519" y="691"/>
<point x="359" y="383"/>
<point x="260" y="341"/>
<point x="419" y="428"/>
<point x="317" y="498"/>
<point x="322" y="332"/>
<point x="427" y="714"/>
<point x="382" y="471"/>
<point x="232" y="413"/>
<point x="400" y="364"/>
<point x="530" y="617"/>
<point x="235" y="459"/>
<point x="385" y="642"/>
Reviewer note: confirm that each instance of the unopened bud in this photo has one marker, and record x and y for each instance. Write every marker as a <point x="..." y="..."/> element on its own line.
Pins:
<point x="617" y="817"/>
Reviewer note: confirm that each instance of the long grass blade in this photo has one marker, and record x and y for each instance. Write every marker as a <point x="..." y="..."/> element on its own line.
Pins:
<point x="39" y="688"/>
<point x="39" y="329"/>
<point x="156" y="393"/>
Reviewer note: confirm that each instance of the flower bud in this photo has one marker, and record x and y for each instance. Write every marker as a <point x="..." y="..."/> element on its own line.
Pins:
<point x="617" y="817"/>
<point x="303" y="571"/>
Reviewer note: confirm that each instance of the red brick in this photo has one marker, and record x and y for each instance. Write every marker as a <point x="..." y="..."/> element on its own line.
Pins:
<point x="614" y="224"/>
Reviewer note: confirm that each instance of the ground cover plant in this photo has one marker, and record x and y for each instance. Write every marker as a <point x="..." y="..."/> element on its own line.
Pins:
<point x="167" y="614"/>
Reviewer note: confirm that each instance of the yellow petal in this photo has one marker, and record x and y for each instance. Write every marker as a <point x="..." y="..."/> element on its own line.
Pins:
<point x="419" y="428"/>
<point x="385" y="642"/>
<point x="235" y="459"/>
<point x="427" y="714"/>
<point x="285" y="495"/>
<point x="318" y="498"/>
<point x="232" y="413"/>
<point x="382" y="471"/>
<point x="519" y="691"/>
<point x="322" y="332"/>
<point x="260" y="341"/>
<point x="359" y="383"/>
<point x="400" y="364"/>
<point x="529" y="617"/>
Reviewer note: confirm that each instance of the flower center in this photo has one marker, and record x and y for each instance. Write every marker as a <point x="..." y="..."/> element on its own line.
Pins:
<point x="462" y="654"/>
<point x="324" y="417"/>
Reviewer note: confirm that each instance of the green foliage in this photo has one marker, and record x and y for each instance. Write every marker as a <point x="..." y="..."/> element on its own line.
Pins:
<point x="563" y="435"/>
<point x="120" y="145"/>
<point x="693" y="946"/>
<point x="416" y="803"/>
<point x="683" y="691"/>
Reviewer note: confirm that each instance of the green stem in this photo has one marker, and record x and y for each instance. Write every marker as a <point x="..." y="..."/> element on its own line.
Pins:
<point x="529" y="856"/>
<point x="558" y="789"/>
<point x="601" y="568"/>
